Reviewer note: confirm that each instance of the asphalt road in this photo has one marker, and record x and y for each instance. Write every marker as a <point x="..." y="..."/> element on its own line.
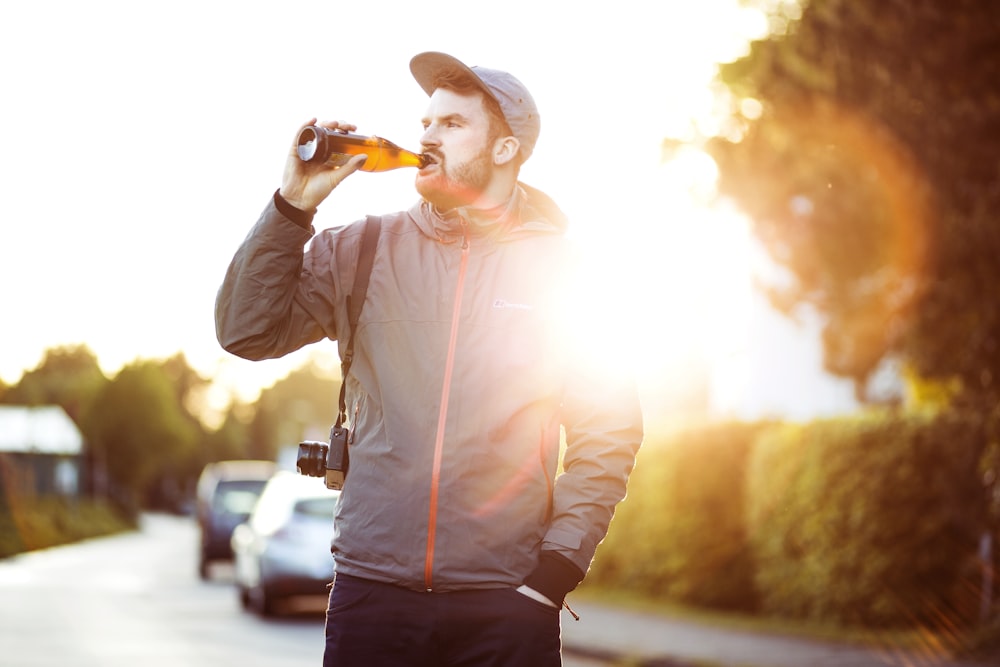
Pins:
<point x="135" y="600"/>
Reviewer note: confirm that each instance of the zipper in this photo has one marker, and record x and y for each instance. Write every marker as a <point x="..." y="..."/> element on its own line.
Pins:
<point x="449" y="368"/>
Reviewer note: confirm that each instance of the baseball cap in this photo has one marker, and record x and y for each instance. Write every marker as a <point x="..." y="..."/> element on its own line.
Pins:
<point x="514" y="99"/>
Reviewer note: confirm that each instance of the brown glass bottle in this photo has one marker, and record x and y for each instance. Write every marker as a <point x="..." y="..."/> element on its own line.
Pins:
<point x="334" y="148"/>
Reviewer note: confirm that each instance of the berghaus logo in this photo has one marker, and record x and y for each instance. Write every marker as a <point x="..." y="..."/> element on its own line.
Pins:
<point x="503" y="304"/>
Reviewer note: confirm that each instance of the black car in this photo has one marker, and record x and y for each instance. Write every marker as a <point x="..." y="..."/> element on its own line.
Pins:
<point x="227" y="492"/>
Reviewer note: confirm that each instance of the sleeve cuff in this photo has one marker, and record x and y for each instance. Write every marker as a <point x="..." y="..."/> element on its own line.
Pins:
<point x="554" y="577"/>
<point x="301" y="218"/>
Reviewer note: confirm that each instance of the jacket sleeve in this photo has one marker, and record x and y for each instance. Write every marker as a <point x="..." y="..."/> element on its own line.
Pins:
<point x="275" y="298"/>
<point x="602" y="418"/>
<point x="603" y="435"/>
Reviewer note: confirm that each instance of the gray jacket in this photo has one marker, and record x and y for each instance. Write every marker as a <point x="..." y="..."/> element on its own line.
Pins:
<point x="461" y="386"/>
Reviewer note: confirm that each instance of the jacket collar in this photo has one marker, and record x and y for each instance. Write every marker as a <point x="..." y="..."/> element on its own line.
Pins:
<point x="527" y="211"/>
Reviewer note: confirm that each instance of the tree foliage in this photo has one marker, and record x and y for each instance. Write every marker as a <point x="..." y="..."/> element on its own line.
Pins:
<point x="140" y="431"/>
<point x="302" y="406"/>
<point x="145" y="438"/>
<point x="865" y="149"/>
<point x="67" y="376"/>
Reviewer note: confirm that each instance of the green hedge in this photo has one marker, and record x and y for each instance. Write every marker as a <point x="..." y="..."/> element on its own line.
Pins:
<point x="49" y="522"/>
<point x="680" y="534"/>
<point x="871" y="520"/>
<point x="867" y="521"/>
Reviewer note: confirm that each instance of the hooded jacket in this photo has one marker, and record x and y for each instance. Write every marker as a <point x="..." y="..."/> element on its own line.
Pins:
<point x="461" y="387"/>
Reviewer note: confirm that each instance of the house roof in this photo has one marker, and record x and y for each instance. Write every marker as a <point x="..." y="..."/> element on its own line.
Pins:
<point x="45" y="429"/>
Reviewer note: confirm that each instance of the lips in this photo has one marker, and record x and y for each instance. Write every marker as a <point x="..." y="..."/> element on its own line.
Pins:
<point x="432" y="160"/>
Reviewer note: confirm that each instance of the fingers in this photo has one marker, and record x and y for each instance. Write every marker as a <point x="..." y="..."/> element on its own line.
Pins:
<point x="339" y="125"/>
<point x="343" y="171"/>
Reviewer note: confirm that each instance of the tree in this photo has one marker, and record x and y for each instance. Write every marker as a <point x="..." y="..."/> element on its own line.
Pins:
<point x="231" y="439"/>
<point x="141" y="433"/>
<point x="301" y="406"/>
<point x="189" y="392"/>
<point x="67" y="376"/>
<point x="865" y="149"/>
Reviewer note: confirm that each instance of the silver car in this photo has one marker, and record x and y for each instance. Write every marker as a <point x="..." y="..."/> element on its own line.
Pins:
<point x="283" y="549"/>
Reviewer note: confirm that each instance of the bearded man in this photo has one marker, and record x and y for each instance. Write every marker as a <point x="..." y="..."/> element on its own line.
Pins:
<point x="457" y="537"/>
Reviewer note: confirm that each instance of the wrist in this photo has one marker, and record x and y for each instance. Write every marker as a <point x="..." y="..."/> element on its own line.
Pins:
<point x="554" y="577"/>
<point x="301" y="217"/>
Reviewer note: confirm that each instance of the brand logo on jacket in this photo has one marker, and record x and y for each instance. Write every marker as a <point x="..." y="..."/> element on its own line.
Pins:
<point x="507" y="305"/>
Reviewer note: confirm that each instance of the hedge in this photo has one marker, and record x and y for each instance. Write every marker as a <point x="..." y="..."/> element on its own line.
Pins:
<point x="871" y="520"/>
<point x="865" y="521"/>
<point x="42" y="523"/>
<point x="680" y="533"/>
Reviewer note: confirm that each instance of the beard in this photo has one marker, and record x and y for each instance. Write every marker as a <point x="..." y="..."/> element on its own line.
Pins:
<point x="456" y="186"/>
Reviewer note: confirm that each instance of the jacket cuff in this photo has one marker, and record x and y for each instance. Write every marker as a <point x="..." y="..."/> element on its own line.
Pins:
<point x="554" y="577"/>
<point x="301" y="218"/>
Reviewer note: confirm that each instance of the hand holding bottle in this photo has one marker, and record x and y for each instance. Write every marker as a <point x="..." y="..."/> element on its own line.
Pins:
<point x="305" y="185"/>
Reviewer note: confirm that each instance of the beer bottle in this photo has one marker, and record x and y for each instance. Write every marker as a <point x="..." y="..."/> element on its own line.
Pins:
<point x="335" y="148"/>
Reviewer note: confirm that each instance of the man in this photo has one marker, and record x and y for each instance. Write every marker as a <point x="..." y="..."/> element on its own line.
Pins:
<point x="456" y="542"/>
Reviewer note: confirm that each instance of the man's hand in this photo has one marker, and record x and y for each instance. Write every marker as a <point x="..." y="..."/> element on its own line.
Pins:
<point x="306" y="185"/>
<point x="536" y="596"/>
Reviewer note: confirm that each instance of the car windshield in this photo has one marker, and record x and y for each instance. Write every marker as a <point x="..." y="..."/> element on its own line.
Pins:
<point x="237" y="496"/>
<point x="317" y="507"/>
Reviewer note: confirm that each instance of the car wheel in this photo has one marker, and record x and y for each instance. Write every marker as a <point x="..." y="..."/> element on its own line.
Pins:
<point x="263" y="602"/>
<point x="203" y="567"/>
<point x="244" y="597"/>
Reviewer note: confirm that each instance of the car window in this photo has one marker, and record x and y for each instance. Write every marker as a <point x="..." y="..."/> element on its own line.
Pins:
<point x="237" y="497"/>
<point x="317" y="507"/>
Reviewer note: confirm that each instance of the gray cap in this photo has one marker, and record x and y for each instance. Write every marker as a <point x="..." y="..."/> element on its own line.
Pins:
<point x="515" y="101"/>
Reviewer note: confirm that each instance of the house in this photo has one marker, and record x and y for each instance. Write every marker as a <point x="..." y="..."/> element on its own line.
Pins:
<point x="40" y="451"/>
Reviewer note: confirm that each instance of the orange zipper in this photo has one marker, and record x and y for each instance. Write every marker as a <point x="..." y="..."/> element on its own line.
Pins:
<point x="449" y="367"/>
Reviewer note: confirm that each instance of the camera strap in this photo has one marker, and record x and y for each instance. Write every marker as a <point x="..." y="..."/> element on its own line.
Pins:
<point x="355" y="302"/>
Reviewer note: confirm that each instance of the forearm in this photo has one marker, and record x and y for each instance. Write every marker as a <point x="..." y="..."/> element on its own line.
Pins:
<point x="602" y="443"/>
<point x="586" y="494"/>
<point x="258" y="311"/>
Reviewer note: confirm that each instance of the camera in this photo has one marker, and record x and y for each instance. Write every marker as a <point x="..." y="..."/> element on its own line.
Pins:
<point x="319" y="459"/>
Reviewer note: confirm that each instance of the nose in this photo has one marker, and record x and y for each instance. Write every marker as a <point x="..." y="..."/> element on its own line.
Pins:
<point x="429" y="139"/>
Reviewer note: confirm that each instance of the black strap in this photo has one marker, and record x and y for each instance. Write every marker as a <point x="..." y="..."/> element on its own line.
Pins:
<point x="355" y="302"/>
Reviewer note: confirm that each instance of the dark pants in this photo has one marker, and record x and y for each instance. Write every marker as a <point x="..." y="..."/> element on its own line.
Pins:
<point x="370" y="624"/>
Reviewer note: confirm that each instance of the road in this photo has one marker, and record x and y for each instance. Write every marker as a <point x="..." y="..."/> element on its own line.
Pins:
<point x="135" y="600"/>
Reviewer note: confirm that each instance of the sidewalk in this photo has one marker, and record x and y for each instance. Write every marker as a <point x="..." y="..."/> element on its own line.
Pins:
<point x="610" y="635"/>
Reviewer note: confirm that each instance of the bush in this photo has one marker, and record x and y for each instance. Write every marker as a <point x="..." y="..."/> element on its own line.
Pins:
<point x="680" y="533"/>
<point x="866" y="520"/>
<point x="49" y="522"/>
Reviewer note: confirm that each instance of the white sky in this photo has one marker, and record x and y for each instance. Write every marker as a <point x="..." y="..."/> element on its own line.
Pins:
<point x="138" y="145"/>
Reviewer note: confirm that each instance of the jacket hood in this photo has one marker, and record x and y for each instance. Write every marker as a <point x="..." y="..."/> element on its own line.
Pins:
<point x="529" y="211"/>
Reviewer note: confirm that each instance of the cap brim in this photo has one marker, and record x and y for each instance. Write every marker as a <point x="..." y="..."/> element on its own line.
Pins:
<point x="427" y="67"/>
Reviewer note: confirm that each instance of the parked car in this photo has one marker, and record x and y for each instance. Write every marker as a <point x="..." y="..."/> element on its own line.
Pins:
<point x="283" y="550"/>
<point x="226" y="492"/>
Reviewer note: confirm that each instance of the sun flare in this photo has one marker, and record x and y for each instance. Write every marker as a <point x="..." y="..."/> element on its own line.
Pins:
<point x="669" y="287"/>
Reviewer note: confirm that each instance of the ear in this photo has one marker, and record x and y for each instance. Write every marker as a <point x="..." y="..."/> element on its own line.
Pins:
<point x="505" y="150"/>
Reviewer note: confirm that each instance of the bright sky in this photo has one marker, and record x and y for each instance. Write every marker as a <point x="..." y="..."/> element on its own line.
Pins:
<point x="138" y="145"/>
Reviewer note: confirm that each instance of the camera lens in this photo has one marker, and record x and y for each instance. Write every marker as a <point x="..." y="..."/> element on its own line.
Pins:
<point x="311" y="459"/>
